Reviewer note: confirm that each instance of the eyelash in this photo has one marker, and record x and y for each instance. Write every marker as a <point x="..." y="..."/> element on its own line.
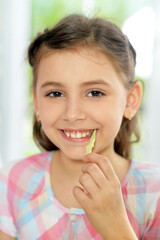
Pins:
<point x="100" y="94"/>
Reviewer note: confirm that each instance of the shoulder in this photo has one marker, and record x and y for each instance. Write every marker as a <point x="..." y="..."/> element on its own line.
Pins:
<point x="143" y="188"/>
<point x="34" y="163"/>
<point x="25" y="174"/>
<point x="143" y="178"/>
<point x="142" y="184"/>
<point x="147" y="194"/>
<point x="148" y="174"/>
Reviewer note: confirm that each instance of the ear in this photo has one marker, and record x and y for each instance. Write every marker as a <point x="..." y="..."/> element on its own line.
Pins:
<point x="133" y="101"/>
<point x="35" y="104"/>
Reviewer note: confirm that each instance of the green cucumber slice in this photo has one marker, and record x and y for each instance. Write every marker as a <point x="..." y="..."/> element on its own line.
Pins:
<point x="90" y="145"/>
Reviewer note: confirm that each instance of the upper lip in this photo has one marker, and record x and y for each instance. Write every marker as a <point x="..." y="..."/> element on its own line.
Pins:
<point x="76" y="130"/>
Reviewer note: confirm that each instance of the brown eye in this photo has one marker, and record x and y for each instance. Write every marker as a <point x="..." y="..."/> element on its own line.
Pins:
<point x="95" y="93"/>
<point x="54" y="94"/>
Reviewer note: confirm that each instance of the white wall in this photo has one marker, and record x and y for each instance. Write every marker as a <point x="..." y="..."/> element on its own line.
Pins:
<point x="153" y="97"/>
<point x="15" y="32"/>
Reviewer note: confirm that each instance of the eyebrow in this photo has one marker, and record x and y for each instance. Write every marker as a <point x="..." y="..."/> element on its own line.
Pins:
<point x="89" y="83"/>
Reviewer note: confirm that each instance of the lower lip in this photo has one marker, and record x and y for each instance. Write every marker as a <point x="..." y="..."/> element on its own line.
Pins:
<point x="84" y="139"/>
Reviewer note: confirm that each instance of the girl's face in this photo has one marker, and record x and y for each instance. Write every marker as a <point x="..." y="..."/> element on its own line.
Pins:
<point x="78" y="91"/>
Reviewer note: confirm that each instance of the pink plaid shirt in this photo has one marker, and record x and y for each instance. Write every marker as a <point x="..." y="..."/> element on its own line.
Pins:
<point x="29" y="209"/>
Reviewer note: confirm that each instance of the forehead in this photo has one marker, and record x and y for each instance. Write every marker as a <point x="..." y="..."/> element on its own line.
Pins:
<point x="90" y="53"/>
<point x="81" y="63"/>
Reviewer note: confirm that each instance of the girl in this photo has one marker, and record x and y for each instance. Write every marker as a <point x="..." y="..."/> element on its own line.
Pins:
<point x="83" y="80"/>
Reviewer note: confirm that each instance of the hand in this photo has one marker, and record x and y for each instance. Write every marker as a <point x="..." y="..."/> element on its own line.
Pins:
<point x="102" y="200"/>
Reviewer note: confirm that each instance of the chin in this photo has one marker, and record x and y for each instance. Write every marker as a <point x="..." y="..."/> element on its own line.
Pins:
<point x="76" y="155"/>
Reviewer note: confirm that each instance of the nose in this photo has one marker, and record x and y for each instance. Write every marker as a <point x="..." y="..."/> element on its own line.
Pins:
<point x="74" y="110"/>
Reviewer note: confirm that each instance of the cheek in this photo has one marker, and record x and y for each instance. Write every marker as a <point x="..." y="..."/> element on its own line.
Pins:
<point x="49" y="113"/>
<point x="109" y="117"/>
<point x="111" y="122"/>
<point x="110" y="129"/>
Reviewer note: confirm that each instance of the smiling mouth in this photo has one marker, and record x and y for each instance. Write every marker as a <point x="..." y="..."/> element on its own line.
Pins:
<point x="77" y="134"/>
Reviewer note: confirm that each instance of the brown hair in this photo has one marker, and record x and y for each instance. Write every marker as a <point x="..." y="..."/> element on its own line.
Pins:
<point x="77" y="30"/>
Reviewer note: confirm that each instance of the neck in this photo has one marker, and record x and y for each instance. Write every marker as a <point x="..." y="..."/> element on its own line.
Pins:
<point x="73" y="168"/>
<point x="68" y="167"/>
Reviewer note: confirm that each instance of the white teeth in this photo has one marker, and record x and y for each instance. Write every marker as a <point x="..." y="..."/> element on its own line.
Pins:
<point x="68" y="135"/>
<point x="83" y="134"/>
<point x="73" y="135"/>
<point x="77" y="135"/>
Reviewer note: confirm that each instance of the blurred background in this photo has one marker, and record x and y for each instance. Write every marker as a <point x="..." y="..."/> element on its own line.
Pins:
<point x="21" y="20"/>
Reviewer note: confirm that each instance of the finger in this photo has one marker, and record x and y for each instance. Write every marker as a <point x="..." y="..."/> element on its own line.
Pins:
<point x="89" y="184"/>
<point x="81" y="197"/>
<point x="103" y="163"/>
<point x="96" y="173"/>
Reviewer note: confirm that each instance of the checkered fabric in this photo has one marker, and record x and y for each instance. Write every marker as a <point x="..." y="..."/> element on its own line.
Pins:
<point x="29" y="210"/>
